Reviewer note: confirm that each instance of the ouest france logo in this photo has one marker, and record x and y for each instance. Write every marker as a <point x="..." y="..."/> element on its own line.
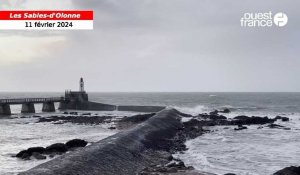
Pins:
<point x="264" y="19"/>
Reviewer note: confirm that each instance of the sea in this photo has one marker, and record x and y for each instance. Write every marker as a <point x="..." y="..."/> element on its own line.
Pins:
<point x="252" y="151"/>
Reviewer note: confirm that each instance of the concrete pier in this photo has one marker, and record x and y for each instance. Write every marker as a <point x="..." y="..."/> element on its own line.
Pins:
<point x="5" y="109"/>
<point x="28" y="108"/>
<point x="48" y="107"/>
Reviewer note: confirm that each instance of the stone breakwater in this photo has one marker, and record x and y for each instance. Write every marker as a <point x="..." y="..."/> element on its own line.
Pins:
<point x="127" y="152"/>
<point x="146" y="147"/>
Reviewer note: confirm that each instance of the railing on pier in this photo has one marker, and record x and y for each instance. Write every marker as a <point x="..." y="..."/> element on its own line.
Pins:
<point x="31" y="100"/>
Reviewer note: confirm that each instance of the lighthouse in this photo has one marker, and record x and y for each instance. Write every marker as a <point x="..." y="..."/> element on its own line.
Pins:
<point x="81" y="85"/>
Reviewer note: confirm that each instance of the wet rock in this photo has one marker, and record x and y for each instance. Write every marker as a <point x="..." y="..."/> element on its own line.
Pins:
<point x="169" y="168"/>
<point x="57" y="148"/>
<point x="86" y="114"/>
<point x="36" y="116"/>
<point x="170" y="158"/>
<point x="73" y="113"/>
<point x="242" y="117"/>
<point x="245" y="120"/>
<point x="65" y="113"/>
<point x="240" y="127"/>
<point x="275" y="126"/>
<point x="292" y="170"/>
<point x="26" y="156"/>
<point x="212" y="116"/>
<point x="215" y="112"/>
<point x="52" y="150"/>
<point x="38" y="156"/>
<point x="76" y="143"/>
<point x="112" y="127"/>
<point x="284" y="119"/>
<point x="92" y="120"/>
<point x="51" y="155"/>
<point x="36" y="149"/>
<point x="21" y="153"/>
<point x="226" y="110"/>
<point x="229" y="174"/>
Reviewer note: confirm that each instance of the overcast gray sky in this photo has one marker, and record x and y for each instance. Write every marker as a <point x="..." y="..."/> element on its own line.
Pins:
<point x="155" y="45"/>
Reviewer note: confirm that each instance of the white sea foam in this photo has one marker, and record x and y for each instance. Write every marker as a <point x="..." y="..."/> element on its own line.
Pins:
<point x="21" y="133"/>
<point x="191" y="110"/>
<point x="247" y="152"/>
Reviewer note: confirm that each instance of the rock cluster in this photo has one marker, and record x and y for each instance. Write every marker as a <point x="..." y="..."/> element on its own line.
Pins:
<point x="52" y="150"/>
<point x="174" y="166"/>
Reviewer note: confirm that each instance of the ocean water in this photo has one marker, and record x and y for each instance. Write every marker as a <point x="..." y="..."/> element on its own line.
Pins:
<point x="247" y="152"/>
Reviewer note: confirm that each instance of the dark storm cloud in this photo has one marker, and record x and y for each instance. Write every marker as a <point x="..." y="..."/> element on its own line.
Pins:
<point x="177" y="45"/>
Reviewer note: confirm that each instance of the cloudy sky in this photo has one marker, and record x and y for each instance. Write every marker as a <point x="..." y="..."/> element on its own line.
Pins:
<point x="155" y="45"/>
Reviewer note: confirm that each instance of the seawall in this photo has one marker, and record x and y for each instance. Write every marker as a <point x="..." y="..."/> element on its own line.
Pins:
<point x="95" y="106"/>
<point x="122" y="153"/>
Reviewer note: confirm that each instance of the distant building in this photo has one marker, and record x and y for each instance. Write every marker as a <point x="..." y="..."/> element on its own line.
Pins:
<point x="81" y="85"/>
<point x="77" y="96"/>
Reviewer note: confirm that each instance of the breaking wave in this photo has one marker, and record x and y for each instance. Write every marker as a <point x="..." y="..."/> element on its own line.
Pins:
<point x="191" y="110"/>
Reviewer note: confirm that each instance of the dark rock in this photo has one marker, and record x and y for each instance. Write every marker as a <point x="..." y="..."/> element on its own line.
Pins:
<point x="51" y="155"/>
<point x="94" y="120"/>
<point x="76" y="143"/>
<point x="36" y="149"/>
<point x="284" y="119"/>
<point x="65" y="113"/>
<point x="38" y="156"/>
<point x="170" y="158"/>
<point x="240" y="127"/>
<point x="86" y="114"/>
<point x="73" y="113"/>
<point x="192" y="122"/>
<point x="27" y="153"/>
<point x="229" y="174"/>
<point x="245" y="120"/>
<point x="217" y="117"/>
<point x="112" y="127"/>
<point x="215" y="112"/>
<point x="21" y="153"/>
<point x="275" y="126"/>
<point x="26" y="156"/>
<point x="242" y="117"/>
<point x="226" y="110"/>
<point x="36" y="116"/>
<point x="292" y="170"/>
<point x="57" y="147"/>
<point x="212" y="116"/>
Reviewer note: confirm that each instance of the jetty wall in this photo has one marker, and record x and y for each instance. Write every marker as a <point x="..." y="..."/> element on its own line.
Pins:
<point x="119" y="154"/>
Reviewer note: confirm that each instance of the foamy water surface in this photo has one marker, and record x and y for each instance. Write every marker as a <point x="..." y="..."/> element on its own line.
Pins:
<point x="247" y="152"/>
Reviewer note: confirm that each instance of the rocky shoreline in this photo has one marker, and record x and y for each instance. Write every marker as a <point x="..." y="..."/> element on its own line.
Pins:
<point x="156" y="152"/>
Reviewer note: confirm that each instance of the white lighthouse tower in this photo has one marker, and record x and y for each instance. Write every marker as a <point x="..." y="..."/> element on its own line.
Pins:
<point x="81" y="85"/>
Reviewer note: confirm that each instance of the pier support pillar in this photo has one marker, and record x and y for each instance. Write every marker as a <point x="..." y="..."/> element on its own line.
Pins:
<point x="28" y="108"/>
<point x="5" y="109"/>
<point x="48" y="107"/>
